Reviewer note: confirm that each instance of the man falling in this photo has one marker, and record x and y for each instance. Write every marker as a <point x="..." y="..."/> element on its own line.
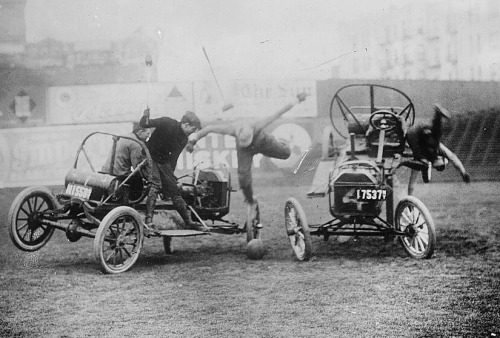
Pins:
<point x="251" y="139"/>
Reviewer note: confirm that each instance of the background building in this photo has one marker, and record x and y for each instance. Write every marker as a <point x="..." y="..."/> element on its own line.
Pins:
<point x="431" y="40"/>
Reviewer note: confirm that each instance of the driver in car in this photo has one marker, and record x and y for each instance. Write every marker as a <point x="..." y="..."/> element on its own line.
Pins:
<point x="128" y="155"/>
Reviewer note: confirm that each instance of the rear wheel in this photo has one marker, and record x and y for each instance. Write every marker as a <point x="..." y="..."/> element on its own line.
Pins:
<point x="413" y="218"/>
<point x="118" y="240"/>
<point x="26" y="228"/>
<point x="297" y="229"/>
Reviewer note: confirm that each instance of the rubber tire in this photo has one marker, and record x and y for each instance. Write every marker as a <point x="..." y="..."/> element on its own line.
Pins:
<point x="107" y="221"/>
<point x="167" y="245"/>
<point x="302" y="252"/>
<point x="252" y="231"/>
<point x="410" y="244"/>
<point x="25" y="195"/>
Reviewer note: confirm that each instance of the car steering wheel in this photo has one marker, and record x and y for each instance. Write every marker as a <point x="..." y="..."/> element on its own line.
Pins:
<point x="384" y="120"/>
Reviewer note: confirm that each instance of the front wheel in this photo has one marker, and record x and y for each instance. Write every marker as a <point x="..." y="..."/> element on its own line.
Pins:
<point x="118" y="240"/>
<point x="26" y="228"/>
<point x="297" y="229"/>
<point x="414" y="219"/>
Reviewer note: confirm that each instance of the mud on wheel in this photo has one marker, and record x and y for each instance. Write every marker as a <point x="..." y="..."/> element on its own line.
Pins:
<point x="26" y="228"/>
<point x="297" y="229"/>
<point x="414" y="219"/>
<point x="118" y="240"/>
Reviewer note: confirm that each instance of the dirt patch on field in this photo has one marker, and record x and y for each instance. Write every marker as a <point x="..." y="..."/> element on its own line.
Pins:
<point x="208" y="288"/>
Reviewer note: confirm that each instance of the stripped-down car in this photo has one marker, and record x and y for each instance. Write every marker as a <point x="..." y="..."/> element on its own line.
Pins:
<point x="110" y="209"/>
<point x="362" y="151"/>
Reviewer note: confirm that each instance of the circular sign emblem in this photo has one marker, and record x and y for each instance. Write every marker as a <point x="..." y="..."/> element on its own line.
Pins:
<point x="298" y="139"/>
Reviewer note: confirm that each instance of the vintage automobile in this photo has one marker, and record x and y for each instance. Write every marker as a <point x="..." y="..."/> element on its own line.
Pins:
<point x="362" y="151"/>
<point x="96" y="203"/>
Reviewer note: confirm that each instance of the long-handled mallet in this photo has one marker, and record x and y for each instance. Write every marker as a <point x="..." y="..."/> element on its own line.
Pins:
<point x="149" y="65"/>
<point x="226" y="106"/>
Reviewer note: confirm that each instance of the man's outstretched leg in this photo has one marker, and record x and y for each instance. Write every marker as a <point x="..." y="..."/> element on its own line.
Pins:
<point x="245" y="159"/>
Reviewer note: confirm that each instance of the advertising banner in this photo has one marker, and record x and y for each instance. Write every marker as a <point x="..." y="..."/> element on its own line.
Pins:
<point x="253" y="99"/>
<point x="43" y="155"/>
<point x="116" y="102"/>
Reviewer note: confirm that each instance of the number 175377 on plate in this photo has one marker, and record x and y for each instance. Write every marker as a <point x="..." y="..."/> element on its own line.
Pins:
<point x="371" y="194"/>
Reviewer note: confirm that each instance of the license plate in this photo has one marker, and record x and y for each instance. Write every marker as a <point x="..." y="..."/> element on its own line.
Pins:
<point x="371" y="194"/>
<point x="78" y="190"/>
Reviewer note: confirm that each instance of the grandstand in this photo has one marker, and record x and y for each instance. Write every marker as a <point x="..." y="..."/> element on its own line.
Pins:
<point x="475" y="138"/>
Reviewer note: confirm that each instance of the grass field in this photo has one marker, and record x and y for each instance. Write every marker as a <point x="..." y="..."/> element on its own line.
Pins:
<point x="208" y="288"/>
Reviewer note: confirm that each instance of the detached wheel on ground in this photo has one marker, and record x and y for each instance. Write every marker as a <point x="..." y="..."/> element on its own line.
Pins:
<point x="118" y="240"/>
<point x="26" y="229"/>
<point x="414" y="219"/>
<point x="297" y="229"/>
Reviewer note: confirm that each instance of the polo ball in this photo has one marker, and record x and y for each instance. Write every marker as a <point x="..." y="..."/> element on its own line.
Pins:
<point x="256" y="249"/>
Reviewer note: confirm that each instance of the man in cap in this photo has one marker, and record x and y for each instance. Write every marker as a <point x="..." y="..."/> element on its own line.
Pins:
<point x="251" y="139"/>
<point x="165" y="145"/>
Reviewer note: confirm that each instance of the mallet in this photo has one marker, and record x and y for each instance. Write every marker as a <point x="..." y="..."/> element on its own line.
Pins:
<point x="226" y="106"/>
<point x="149" y="64"/>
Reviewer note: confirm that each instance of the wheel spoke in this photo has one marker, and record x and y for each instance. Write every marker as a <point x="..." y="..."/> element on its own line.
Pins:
<point x="22" y="226"/>
<point x="406" y="216"/>
<point x="26" y="233"/>
<point x="35" y="203"/>
<point x="111" y="252"/>
<point x="30" y="208"/>
<point x="126" y="251"/>
<point x="26" y="212"/>
<point x="411" y="213"/>
<point x="424" y="240"/>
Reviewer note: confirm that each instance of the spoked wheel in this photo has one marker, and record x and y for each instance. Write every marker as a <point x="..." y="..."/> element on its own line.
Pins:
<point x="167" y="245"/>
<point x="118" y="240"/>
<point x="413" y="218"/>
<point x="253" y="225"/>
<point x="26" y="229"/>
<point x="297" y="229"/>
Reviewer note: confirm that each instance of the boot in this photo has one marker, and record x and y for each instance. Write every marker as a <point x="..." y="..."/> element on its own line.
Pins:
<point x="150" y="207"/>
<point x="185" y="214"/>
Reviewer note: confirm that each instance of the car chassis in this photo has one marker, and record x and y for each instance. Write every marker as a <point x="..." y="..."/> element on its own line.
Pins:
<point x="108" y="208"/>
<point x="362" y="175"/>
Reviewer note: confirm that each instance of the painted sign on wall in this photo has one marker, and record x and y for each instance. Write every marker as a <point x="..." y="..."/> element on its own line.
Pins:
<point x="43" y="155"/>
<point x="255" y="99"/>
<point x="126" y="102"/>
<point x="116" y="102"/>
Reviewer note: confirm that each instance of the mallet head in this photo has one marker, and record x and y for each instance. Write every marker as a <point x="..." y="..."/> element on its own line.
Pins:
<point x="149" y="60"/>
<point x="227" y="107"/>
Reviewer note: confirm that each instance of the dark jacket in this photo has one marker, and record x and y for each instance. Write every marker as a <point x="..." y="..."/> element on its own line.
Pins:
<point x="167" y="140"/>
